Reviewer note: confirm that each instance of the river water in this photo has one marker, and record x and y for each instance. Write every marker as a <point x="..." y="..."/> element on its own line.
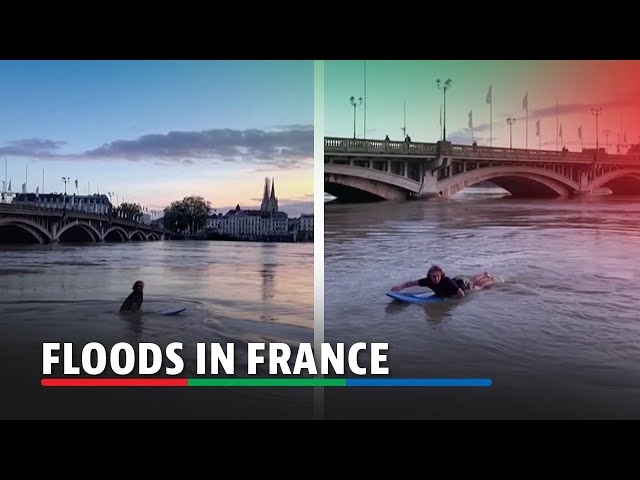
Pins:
<point x="234" y="292"/>
<point x="559" y="337"/>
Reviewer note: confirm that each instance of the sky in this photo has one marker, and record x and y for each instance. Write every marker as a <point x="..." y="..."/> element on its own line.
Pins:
<point x="152" y="132"/>
<point x="559" y="94"/>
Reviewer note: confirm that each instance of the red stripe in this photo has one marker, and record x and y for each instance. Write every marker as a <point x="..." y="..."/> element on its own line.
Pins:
<point x="114" y="382"/>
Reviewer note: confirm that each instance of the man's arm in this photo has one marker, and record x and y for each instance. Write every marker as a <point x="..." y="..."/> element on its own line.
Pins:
<point x="411" y="283"/>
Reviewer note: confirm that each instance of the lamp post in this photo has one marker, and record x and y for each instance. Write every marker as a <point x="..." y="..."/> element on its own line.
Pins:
<point x="607" y="132"/>
<point x="597" y="112"/>
<point x="110" y="203"/>
<point x="511" y="121"/>
<point x="444" y="87"/>
<point x="355" y="103"/>
<point x="65" y="180"/>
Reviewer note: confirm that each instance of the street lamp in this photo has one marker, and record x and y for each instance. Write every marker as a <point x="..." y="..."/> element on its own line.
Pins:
<point x="597" y="112"/>
<point x="511" y="121"/>
<point x="355" y="104"/>
<point x="65" y="180"/>
<point x="606" y="134"/>
<point x="447" y="86"/>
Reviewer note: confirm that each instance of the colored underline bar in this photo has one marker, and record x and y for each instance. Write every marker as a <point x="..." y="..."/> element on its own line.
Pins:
<point x="419" y="382"/>
<point x="114" y="382"/>
<point x="266" y="382"/>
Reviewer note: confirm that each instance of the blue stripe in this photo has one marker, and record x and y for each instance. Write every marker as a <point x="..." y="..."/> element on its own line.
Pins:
<point x="419" y="382"/>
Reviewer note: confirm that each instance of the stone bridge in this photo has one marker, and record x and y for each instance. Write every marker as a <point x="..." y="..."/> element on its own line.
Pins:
<point x="26" y="224"/>
<point x="360" y="170"/>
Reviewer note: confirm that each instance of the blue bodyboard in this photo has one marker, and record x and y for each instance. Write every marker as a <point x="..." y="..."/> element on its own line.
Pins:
<point x="415" y="297"/>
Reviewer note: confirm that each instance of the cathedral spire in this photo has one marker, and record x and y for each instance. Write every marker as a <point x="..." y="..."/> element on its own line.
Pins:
<point x="273" y="201"/>
<point x="265" y="197"/>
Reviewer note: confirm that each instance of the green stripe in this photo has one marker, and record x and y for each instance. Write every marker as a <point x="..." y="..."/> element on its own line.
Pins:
<point x="266" y="382"/>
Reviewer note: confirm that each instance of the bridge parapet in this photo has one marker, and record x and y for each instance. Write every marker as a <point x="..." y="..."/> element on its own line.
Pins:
<point x="387" y="148"/>
<point x="354" y="145"/>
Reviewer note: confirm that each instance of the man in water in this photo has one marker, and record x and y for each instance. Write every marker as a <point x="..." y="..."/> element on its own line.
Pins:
<point x="444" y="286"/>
<point x="133" y="303"/>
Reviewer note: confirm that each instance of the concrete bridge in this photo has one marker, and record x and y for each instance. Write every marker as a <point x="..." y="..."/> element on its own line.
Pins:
<point x="27" y="224"/>
<point x="361" y="170"/>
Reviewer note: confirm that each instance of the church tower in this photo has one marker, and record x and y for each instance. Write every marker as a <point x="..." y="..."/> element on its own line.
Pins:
<point x="273" y="201"/>
<point x="264" y="207"/>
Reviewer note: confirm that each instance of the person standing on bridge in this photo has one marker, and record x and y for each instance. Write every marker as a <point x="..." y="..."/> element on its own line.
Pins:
<point x="444" y="286"/>
<point x="133" y="303"/>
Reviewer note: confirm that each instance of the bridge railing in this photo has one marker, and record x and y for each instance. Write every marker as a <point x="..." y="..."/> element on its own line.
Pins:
<point x="388" y="147"/>
<point x="543" y="155"/>
<point x="333" y="144"/>
<point x="517" y="153"/>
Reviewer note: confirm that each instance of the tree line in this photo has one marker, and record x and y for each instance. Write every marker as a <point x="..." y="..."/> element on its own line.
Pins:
<point x="188" y="215"/>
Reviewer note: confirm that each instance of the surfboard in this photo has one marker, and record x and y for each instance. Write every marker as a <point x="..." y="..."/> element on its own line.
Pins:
<point x="174" y="311"/>
<point x="415" y="297"/>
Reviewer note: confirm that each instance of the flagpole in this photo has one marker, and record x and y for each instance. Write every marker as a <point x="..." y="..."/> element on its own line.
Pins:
<point x="526" y="145"/>
<point x="404" y="124"/>
<point x="43" y="181"/>
<point x="365" y="100"/>
<point x="557" y="123"/>
<point x="491" y="119"/>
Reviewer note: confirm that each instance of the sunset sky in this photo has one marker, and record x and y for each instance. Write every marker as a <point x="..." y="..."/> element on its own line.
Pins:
<point x="155" y="131"/>
<point x="559" y="93"/>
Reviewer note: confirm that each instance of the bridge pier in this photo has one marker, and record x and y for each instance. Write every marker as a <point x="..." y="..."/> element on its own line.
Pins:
<point x="584" y="189"/>
<point x="429" y="181"/>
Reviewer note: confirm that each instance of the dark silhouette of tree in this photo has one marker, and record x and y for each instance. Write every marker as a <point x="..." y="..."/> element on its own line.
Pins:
<point x="187" y="215"/>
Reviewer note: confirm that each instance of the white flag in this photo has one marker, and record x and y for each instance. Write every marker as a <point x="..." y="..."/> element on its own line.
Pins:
<point x="525" y="101"/>
<point x="37" y="190"/>
<point x="471" y="119"/>
<point x="538" y="128"/>
<point x="9" y="185"/>
<point x="489" y="96"/>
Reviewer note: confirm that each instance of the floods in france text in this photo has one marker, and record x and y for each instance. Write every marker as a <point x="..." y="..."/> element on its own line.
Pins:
<point x="123" y="359"/>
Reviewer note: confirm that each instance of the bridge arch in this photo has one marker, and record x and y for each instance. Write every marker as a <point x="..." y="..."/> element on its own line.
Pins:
<point x="89" y="231"/>
<point x="366" y="184"/>
<point x="153" y="236"/>
<point x="625" y="181"/>
<point x="115" y="233"/>
<point x="137" y="235"/>
<point x="36" y="230"/>
<point x="519" y="181"/>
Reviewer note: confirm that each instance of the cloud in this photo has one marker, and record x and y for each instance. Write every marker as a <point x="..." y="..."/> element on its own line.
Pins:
<point x="31" y="147"/>
<point x="284" y="149"/>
